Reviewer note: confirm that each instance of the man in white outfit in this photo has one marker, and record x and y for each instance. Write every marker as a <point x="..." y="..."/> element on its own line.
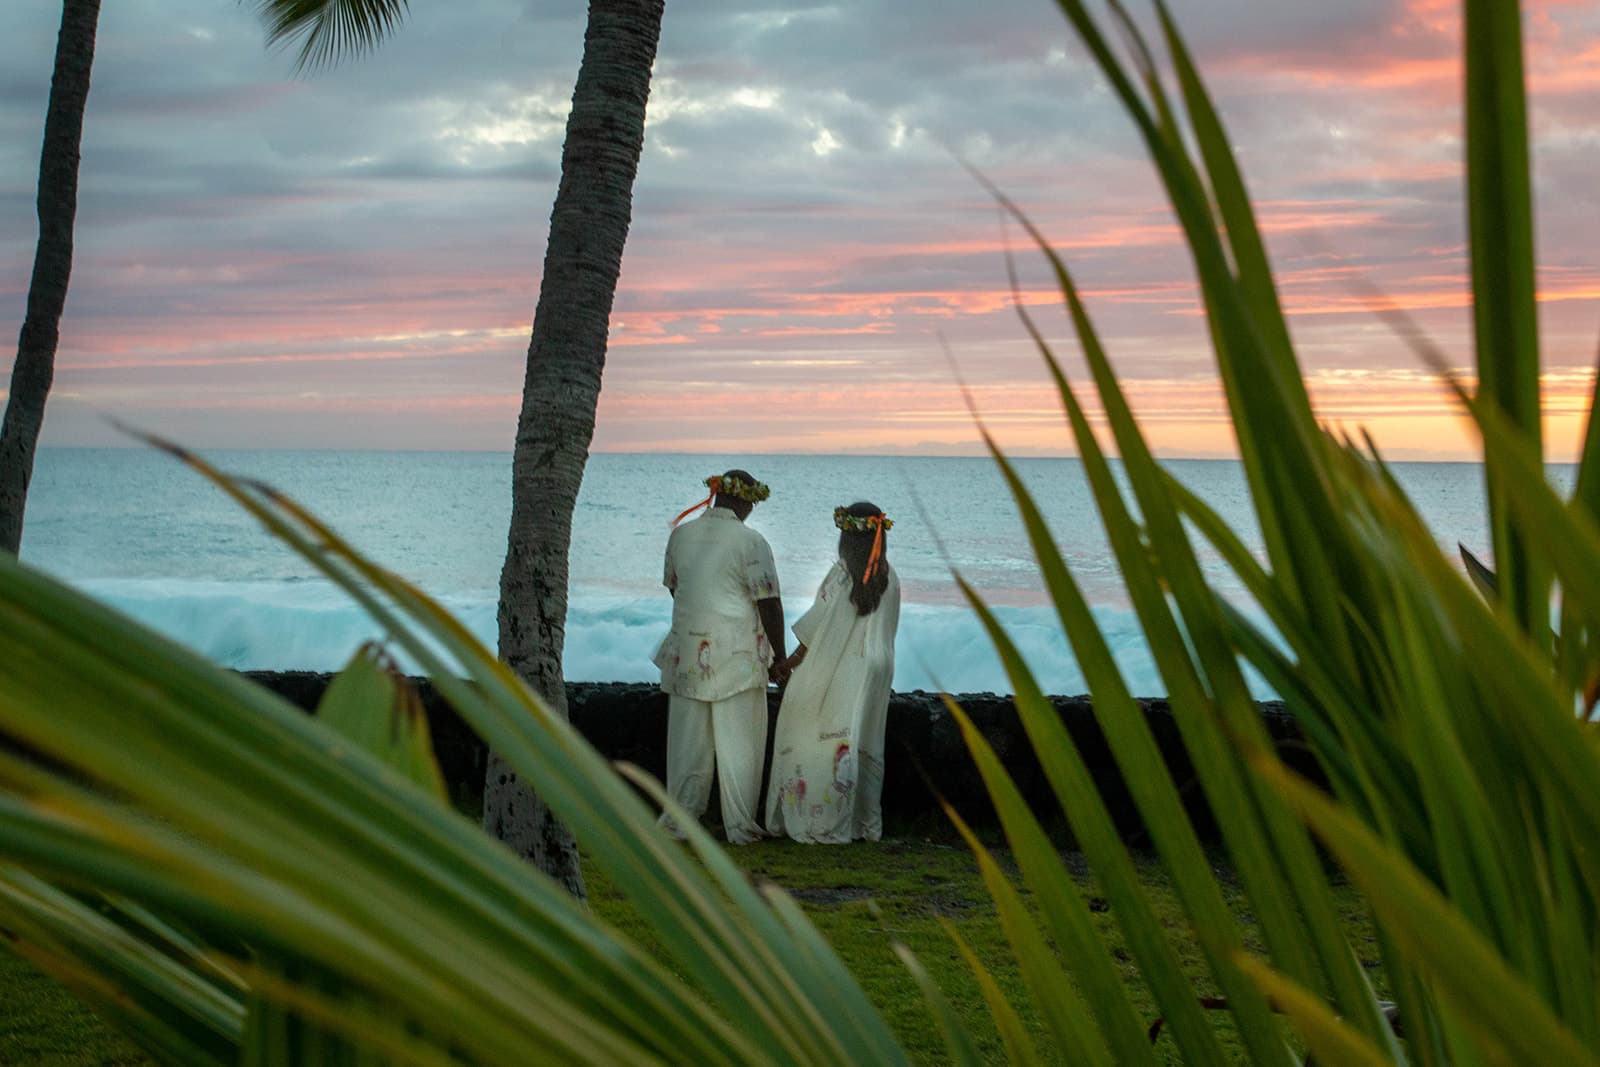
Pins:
<point x="726" y="643"/>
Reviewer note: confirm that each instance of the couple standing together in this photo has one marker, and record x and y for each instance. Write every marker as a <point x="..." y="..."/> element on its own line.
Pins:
<point x="726" y="644"/>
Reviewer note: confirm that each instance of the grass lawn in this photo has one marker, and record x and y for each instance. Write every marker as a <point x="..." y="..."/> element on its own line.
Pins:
<point x="41" y="1023"/>
<point x="863" y="897"/>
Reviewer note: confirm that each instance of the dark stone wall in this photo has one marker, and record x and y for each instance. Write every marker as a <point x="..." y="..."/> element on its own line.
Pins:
<point x="924" y="753"/>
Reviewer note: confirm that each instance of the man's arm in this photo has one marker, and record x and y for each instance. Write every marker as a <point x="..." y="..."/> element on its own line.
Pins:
<point x="771" y="611"/>
<point x="669" y="566"/>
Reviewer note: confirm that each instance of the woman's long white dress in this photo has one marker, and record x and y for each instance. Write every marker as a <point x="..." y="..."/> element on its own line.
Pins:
<point x="827" y="763"/>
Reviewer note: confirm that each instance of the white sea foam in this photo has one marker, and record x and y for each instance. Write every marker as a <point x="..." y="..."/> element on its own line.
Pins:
<point x="310" y="625"/>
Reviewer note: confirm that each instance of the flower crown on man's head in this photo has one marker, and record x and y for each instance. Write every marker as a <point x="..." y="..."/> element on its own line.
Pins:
<point x="860" y="523"/>
<point x="727" y="485"/>
<point x="722" y="485"/>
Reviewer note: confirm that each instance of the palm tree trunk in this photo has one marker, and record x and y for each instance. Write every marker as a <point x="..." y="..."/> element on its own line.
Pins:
<point x="567" y="353"/>
<point x="52" y="263"/>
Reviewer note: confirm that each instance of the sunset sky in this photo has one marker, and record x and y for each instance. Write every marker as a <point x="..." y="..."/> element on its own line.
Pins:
<point x="351" y="259"/>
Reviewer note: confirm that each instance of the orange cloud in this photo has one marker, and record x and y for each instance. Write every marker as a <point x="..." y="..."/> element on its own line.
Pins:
<point x="1407" y="412"/>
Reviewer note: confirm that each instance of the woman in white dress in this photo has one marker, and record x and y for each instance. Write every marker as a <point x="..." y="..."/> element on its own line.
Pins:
<point x="827" y="764"/>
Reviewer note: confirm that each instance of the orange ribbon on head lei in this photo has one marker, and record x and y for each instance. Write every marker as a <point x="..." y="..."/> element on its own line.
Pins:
<point x="875" y="559"/>
<point x="715" y="484"/>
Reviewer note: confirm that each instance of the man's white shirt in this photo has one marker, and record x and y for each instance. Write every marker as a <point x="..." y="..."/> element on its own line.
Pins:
<point x="717" y="568"/>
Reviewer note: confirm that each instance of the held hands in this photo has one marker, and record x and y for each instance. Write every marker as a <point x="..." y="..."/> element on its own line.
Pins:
<point x="780" y="670"/>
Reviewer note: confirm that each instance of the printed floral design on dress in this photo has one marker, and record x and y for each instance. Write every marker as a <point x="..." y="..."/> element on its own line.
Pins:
<point x="843" y="770"/>
<point x="702" y="659"/>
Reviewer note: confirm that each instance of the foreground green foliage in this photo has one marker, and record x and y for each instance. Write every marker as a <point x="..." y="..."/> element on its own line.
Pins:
<point x="276" y="893"/>
<point x="863" y="899"/>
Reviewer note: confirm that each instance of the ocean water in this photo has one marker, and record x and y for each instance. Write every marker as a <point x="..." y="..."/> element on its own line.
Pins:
<point x="141" y="532"/>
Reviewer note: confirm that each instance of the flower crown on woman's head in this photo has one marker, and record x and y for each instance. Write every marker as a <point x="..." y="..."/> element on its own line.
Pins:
<point x="877" y="525"/>
<point x="860" y="523"/>
<point x="722" y="485"/>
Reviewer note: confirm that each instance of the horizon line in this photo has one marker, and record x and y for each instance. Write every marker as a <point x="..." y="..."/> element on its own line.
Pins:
<point x="1016" y="455"/>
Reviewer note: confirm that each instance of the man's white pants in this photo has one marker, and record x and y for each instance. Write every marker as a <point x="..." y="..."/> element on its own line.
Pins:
<point x="729" y="736"/>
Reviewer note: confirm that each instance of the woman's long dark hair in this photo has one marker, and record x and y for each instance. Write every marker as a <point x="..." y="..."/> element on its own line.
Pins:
<point x="855" y="547"/>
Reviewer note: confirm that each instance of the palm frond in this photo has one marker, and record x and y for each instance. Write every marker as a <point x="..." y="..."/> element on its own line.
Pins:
<point x="328" y="30"/>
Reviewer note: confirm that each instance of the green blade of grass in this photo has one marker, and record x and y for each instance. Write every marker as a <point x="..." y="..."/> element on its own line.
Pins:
<point x="1325" y="706"/>
<point x="169" y="1005"/>
<point x="1452" y="781"/>
<point x="1019" y="1046"/>
<point x="840" y="1008"/>
<point x="1326" y="1035"/>
<point x="1490" y="997"/>
<point x="1276" y="440"/>
<point x="957" y="1040"/>
<point x="1296" y="934"/>
<point x="1238" y="217"/>
<point x="1283" y="879"/>
<point x="1142" y="767"/>
<point x="1521" y="696"/>
<point x="173" y="874"/>
<point x="299" y="1024"/>
<point x="1052" y="992"/>
<point x="1081" y="803"/>
<point x="1568" y="538"/>
<point x="1500" y="232"/>
<point x="1586" y="489"/>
